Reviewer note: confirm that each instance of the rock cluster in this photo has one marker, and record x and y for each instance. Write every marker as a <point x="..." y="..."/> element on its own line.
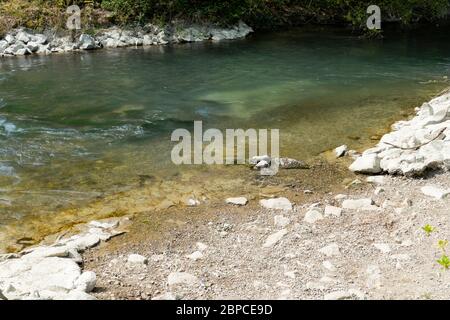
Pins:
<point x="22" y="42"/>
<point x="413" y="146"/>
<point x="52" y="272"/>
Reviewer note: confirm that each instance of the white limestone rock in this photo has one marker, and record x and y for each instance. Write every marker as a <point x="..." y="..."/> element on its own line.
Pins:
<point x="435" y="192"/>
<point x="366" y="164"/>
<point x="137" y="259"/>
<point x="182" y="278"/>
<point x="239" y="201"/>
<point x="277" y="204"/>
<point x="313" y="215"/>
<point x="340" y="151"/>
<point x="359" y="204"/>
<point x="274" y="238"/>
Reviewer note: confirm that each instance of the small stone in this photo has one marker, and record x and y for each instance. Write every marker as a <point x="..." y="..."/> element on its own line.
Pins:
<point x="312" y="216"/>
<point x="86" y="282"/>
<point x="137" y="259"/>
<point x="369" y="163"/>
<point x="107" y="224"/>
<point x="340" y="151"/>
<point x="197" y="255"/>
<point x="435" y="192"/>
<point x="185" y="278"/>
<point x="281" y="221"/>
<point x="333" y="211"/>
<point x="379" y="190"/>
<point x="262" y="164"/>
<point x="330" y="250"/>
<point x="239" y="201"/>
<point x="277" y="204"/>
<point x="192" y="202"/>
<point x="383" y="247"/>
<point x="376" y="179"/>
<point x="329" y="266"/>
<point x="255" y="160"/>
<point x="274" y="238"/>
<point x="359" y="204"/>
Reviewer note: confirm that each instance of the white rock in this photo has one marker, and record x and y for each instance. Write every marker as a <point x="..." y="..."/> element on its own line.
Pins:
<point x="185" y="278"/>
<point x="23" y="36"/>
<point x="239" y="201"/>
<point x="330" y="250"/>
<point x="10" y="39"/>
<point x="137" y="259"/>
<point x="435" y="192"/>
<point x="87" y="42"/>
<point x="366" y="164"/>
<point x="312" y="216"/>
<point x="359" y="204"/>
<point x="379" y="190"/>
<point x="383" y="247"/>
<point x="281" y="221"/>
<point x="340" y="151"/>
<point x="329" y="266"/>
<point x="192" y="202"/>
<point x="255" y="160"/>
<point x="86" y="282"/>
<point x="288" y="163"/>
<point x="82" y="242"/>
<point x="333" y="211"/>
<point x="197" y="255"/>
<point x="106" y="224"/>
<point x="376" y="179"/>
<point x="201" y="246"/>
<point x="274" y="238"/>
<point x="277" y="204"/>
<point x="262" y="164"/>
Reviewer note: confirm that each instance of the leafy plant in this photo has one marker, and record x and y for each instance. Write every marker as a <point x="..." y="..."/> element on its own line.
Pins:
<point x="428" y="229"/>
<point x="442" y="244"/>
<point x="444" y="261"/>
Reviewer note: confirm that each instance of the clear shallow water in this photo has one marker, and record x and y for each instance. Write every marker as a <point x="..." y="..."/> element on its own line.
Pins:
<point x="74" y="127"/>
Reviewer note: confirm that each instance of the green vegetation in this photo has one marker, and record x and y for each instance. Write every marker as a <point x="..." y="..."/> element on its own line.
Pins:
<point x="428" y="229"/>
<point x="258" y="13"/>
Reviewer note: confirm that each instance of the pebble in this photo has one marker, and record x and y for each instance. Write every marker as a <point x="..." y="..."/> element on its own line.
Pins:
<point x="239" y="201"/>
<point x="277" y="204"/>
<point x="312" y="216"/>
<point x="435" y="192"/>
<point x="274" y="238"/>
<point x="137" y="259"/>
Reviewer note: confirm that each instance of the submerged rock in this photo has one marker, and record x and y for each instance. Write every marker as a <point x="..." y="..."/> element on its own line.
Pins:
<point x="340" y="151"/>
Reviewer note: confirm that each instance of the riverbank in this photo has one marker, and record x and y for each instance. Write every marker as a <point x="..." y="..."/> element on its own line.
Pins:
<point x="20" y="42"/>
<point x="381" y="238"/>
